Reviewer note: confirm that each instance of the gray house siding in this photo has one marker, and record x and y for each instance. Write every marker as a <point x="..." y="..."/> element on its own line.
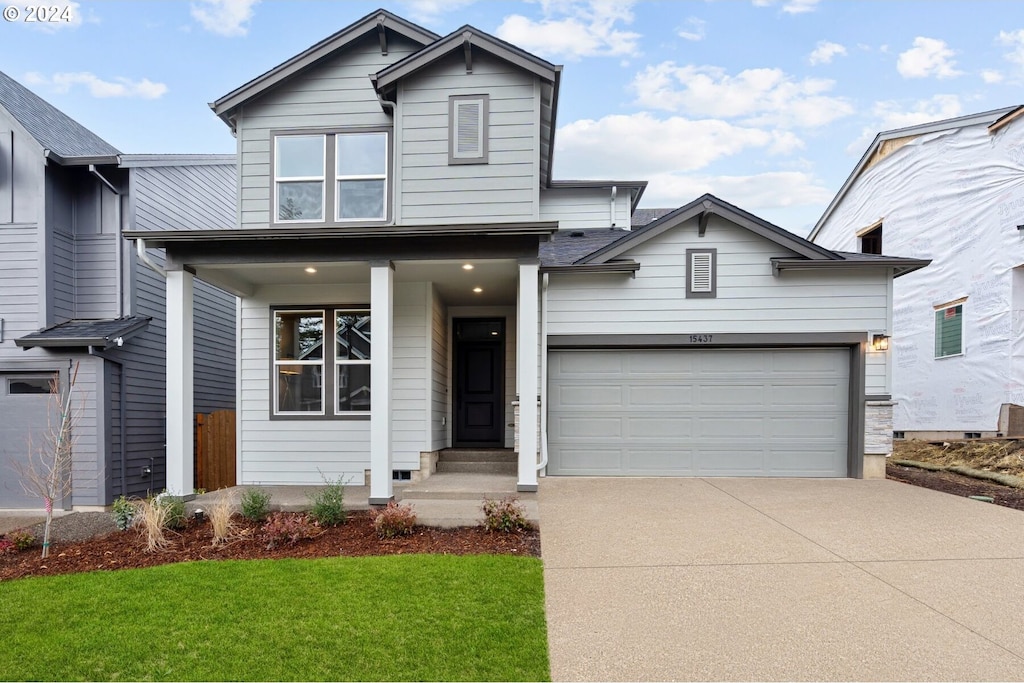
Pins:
<point x="336" y="94"/>
<point x="506" y="187"/>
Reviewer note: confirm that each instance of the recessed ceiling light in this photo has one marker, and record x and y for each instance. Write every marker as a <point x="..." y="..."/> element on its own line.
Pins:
<point x="478" y="289"/>
<point x="494" y="334"/>
<point x="467" y="266"/>
<point x="310" y="270"/>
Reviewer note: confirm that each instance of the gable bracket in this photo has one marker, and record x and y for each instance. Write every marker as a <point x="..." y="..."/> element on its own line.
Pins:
<point x="467" y="49"/>
<point x="382" y="34"/>
<point x="702" y="220"/>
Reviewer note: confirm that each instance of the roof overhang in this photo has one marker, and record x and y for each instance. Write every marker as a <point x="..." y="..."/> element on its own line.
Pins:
<point x="158" y="160"/>
<point x="623" y="266"/>
<point x="112" y="159"/>
<point x="702" y="209"/>
<point x="86" y="333"/>
<point x="375" y="21"/>
<point x="635" y="187"/>
<point x="899" y="266"/>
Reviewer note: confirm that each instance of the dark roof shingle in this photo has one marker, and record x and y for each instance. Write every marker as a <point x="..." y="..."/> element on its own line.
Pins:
<point x="568" y="246"/>
<point x="81" y="333"/>
<point x="52" y="128"/>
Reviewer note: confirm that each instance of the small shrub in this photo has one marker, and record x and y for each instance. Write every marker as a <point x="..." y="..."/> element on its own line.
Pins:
<point x="394" y="520"/>
<point x="506" y="515"/>
<point x="151" y="516"/>
<point x="220" y="519"/>
<point x="328" y="504"/>
<point x="174" y="508"/>
<point x="7" y="547"/>
<point x="255" y="504"/>
<point x="290" y="528"/>
<point x="124" y="513"/>
<point x="22" y="540"/>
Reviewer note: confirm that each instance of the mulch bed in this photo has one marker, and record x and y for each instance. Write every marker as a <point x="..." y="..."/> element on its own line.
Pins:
<point x="127" y="549"/>
<point x="957" y="484"/>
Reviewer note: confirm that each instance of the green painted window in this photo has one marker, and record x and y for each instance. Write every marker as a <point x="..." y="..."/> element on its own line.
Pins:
<point x="949" y="331"/>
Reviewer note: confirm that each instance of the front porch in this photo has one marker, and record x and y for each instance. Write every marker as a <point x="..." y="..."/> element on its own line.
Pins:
<point x="360" y="368"/>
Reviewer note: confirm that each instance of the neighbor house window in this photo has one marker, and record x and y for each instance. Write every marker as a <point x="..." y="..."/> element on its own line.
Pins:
<point x="299" y="163"/>
<point x="949" y="330"/>
<point x="871" y="239"/>
<point x="317" y="379"/>
<point x="361" y="174"/>
<point x="333" y="177"/>
<point x="701" y="273"/>
<point x="467" y="129"/>
<point x="299" y="362"/>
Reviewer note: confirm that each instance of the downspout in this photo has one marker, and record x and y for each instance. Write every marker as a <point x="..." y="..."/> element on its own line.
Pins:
<point x="543" y="374"/>
<point x="122" y="416"/>
<point x="611" y="206"/>
<point x="384" y="104"/>
<point x="118" y="247"/>
<point x="140" y="247"/>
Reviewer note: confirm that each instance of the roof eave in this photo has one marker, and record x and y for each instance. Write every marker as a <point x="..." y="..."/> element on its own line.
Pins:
<point x="82" y="161"/>
<point x="624" y="266"/>
<point x="105" y="342"/>
<point x="899" y="266"/>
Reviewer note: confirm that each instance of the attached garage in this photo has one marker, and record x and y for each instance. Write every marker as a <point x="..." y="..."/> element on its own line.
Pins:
<point x="25" y="406"/>
<point x="779" y="412"/>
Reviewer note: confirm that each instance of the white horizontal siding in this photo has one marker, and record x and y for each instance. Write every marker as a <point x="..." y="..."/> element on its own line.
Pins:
<point x="582" y="208"/>
<point x="302" y="451"/>
<point x="876" y="379"/>
<point x="439" y="371"/>
<point x="505" y="188"/>
<point x="749" y="298"/>
<point x="334" y="94"/>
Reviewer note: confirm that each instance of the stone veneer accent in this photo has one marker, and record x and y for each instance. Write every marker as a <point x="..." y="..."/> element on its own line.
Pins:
<point x="515" y="419"/>
<point x="877" y="437"/>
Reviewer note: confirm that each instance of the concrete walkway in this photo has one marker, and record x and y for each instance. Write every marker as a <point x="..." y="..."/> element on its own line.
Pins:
<point x="759" y="579"/>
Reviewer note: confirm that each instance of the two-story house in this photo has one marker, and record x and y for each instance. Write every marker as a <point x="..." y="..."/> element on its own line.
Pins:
<point x="413" y="278"/>
<point x="74" y="295"/>
<point x="951" y="191"/>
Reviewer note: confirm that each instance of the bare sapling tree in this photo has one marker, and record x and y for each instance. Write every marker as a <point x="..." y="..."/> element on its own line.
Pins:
<point x="47" y="471"/>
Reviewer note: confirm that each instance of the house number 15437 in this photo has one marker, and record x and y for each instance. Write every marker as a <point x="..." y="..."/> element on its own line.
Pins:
<point x="700" y="338"/>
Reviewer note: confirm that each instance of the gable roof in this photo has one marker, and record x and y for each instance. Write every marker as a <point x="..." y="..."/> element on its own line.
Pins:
<point x="224" y="106"/>
<point x="703" y="207"/>
<point x="54" y="130"/>
<point x="989" y="118"/>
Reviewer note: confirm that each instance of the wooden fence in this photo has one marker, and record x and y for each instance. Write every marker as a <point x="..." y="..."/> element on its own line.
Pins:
<point x="215" y="450"/>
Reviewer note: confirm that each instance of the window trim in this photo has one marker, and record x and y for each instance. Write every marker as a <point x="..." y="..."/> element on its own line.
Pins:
<point x="11" y="377"/>
<point x="322" y="179"/>
<point x="864" y="232"/>
<point x="963" y="345"/>
<point x="485" y="129"/>
<point x="338" y="363"/>
<point x="275" y="363"/>
<point x="328" y="379"/>
<point x="690" y="293"/>
<point x="337" y="179"/>
<point x="330" y="203"/>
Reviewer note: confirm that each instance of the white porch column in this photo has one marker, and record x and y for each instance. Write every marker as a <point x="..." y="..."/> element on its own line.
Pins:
<point x="382" y="285"/>
<point x="527" y="350"/>
<point x="180" y="417"/>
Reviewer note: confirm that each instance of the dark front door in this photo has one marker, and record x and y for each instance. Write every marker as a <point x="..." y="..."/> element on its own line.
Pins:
<point x="479" y="394"/>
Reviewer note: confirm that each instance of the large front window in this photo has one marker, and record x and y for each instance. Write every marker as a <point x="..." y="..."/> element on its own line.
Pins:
<point x="301" y="361"/>
<point x="331" y="177"/>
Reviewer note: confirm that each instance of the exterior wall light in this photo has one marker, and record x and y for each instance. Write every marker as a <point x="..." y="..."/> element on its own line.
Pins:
<point x="879" y="342"/>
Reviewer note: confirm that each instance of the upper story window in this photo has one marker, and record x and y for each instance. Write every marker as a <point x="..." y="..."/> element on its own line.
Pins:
<point x="467" y="129"/>
<point x="949" y="329"/>
<point x="871" y="239"/>
<point x="331" y="177"/>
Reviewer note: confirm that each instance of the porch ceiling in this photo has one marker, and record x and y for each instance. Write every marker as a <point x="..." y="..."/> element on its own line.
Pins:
<point x="496" y="278"/>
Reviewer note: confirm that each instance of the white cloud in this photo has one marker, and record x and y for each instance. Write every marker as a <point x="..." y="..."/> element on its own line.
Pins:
<point x="760" y="96"/>
<point x="825" y="52"/>
<point x="119" y="87"/>
<point x="890" y="115"/>
<point x="574" y="29"/>
<point x="991" y="76"/>
<point x="928" y="57"/>
<point x="791" y="6"/>
<point x="1015" y="41"/>
<point x="224" y="17"/>
<point x="770" y="190"/>
<point x="693" y="29"/>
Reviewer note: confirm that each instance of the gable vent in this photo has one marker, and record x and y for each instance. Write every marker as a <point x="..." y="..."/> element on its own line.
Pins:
<point x="700" y="272"/>
<point x="468" y="134"/>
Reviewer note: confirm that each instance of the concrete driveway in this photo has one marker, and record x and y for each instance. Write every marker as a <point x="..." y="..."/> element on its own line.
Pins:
<point x="766" y="579"/>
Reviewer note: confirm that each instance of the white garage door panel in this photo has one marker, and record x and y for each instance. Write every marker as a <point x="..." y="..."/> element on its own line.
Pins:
<point x="703" y="412"/>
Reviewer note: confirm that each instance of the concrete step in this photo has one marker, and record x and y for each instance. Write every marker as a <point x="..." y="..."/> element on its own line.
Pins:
<point x="468" y="486"/>
<point x="481" y="467"/>
<point x="453" y="513"/>
<point x="477" y="455"/>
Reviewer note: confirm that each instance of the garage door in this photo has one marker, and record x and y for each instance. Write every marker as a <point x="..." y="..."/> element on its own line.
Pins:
<point x="700" y="412"/>
<point x="24" y="406"/>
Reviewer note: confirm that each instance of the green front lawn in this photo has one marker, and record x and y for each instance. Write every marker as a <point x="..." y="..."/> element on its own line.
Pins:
<point x="411" y="617"/>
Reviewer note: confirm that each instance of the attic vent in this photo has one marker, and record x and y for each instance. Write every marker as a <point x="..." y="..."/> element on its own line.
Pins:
<point x="700" y="276"/>
<point x="468" y="129"/>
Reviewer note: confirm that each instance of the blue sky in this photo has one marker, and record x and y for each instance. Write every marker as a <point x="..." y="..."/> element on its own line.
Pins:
<point x="765" y="103"/>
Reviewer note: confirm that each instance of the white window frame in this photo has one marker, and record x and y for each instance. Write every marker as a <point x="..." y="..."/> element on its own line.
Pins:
<point x="322" y="179"/>
<point x="347" y="361"/>
<point x="337" y="178"/>
<point x="321" y="362"/>
<point x="963" y="328"/>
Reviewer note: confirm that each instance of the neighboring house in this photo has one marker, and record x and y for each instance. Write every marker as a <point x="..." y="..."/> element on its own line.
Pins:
<point x="952" y="192"/>
<point x="73" y="294"/>
<point x="412" y="278"/>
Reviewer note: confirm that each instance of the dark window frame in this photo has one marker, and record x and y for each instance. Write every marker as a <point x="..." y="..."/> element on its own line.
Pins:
<point x="12" y="378"/>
